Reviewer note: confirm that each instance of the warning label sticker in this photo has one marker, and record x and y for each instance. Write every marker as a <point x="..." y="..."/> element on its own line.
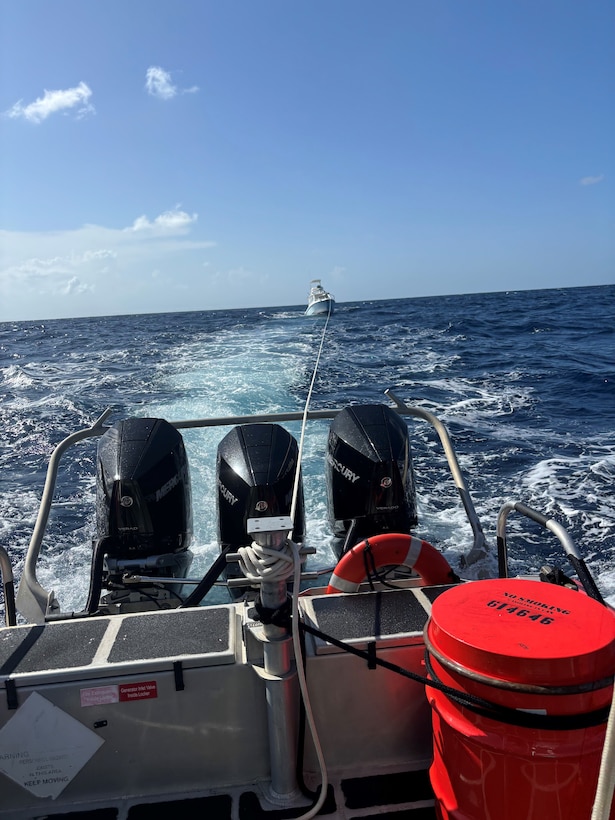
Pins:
<point x="43" y="748"/>
<point x="138" y="691"/>
<point x="99" y="695"/>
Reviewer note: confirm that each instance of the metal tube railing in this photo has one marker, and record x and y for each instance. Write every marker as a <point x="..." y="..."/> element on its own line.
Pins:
<point x="479" y="547"/>
<point x="8" y="587"/>
<point x="589" y="585"/>
<point x="34" y="602"/>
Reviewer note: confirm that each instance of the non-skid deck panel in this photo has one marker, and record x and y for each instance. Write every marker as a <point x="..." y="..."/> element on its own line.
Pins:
<point x="369" y="616"/>
<point x="50" y="646"/>
<point x="171" y="634"/>
<point x="161" y="635"/>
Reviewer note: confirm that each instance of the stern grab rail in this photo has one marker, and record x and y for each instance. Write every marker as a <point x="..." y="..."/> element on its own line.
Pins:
<point x="32" y="600"/>
<point x="479" y="548"/>
<point x="8" y="587"/>
<point x="588" y="583"/>
<point x="35" y="603"/>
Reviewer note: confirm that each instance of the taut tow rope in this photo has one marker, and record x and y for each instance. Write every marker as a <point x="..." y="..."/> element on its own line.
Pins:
<point x="309" y="716"/>
<point x="293" y="506"/>
<point x="260" y="563"/>
<point x="278" y="564"/>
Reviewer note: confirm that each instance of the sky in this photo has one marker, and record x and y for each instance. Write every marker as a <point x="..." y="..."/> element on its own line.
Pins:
<point x="214" y="154"/>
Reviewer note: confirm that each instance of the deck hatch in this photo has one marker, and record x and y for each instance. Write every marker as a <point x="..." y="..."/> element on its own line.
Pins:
<point x="50" y="646"/>
<point x="177" y="633"/>
<point x="395" y="615"/>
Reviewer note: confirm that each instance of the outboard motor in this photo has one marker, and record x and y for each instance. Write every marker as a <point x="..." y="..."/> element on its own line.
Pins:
<point x="369" y="476"/>
<point x="256" y="467"/>
<point x="143" y="514"/>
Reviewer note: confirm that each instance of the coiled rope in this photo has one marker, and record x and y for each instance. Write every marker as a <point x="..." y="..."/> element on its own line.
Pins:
<point x="266" y="563"/>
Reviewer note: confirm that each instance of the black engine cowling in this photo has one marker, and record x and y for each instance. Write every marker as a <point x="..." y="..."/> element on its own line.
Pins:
<point x="143" y="494"/>
<point x="256" y="467"/>
<point x="369" y="475"/>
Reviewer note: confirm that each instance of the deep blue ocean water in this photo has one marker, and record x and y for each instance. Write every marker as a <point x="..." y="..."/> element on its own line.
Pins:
<point x="524" y="381"/>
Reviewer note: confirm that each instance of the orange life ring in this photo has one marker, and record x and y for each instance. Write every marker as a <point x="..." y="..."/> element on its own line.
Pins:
<point x="391" y="549"/>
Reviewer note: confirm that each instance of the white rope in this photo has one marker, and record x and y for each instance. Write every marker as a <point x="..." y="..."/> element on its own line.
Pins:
<point x="266" y="563"/>
<point x="309" y="716"/>
<point x="293" y="506"/>
<point x="269" y="564"/>
<point x="606" y="777"/>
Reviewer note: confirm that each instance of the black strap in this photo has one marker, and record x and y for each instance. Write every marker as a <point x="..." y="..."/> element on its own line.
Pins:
<point x="178" y="671"/>
<point x="11" y="694"/>
<point x="281" y="616"/>
<point x="480" y="706"/>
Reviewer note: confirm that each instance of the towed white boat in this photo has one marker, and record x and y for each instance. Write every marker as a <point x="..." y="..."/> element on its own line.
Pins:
<point x="398" y="690"/>
<point x="320" y="301"/>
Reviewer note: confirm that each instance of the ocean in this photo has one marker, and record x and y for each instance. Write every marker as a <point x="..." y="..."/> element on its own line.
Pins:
<point x="523" y="380"/>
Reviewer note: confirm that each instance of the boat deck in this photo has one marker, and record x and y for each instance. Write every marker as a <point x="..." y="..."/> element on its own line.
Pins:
<point x="170" y="708"/>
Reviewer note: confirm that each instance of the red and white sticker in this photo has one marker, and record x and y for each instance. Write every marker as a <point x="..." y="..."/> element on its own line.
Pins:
<point x="99" y="695"/>
<point x="138" y="691"/>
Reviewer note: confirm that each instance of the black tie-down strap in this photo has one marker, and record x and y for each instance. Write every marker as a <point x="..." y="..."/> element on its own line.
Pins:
<point x="11" y="694"/>
<point x="281" y="616"/>
<point x="480" y="706"/>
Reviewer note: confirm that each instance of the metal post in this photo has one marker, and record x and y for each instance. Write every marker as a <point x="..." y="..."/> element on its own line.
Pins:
<point x="278" y="672"/>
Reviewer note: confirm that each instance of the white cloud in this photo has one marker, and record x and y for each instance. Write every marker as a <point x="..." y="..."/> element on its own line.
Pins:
<point x="52" y="102"/>
<point x="101" y="253"/>
<point x="94" y="269"/>
<point x="169" y="222"/>
<point x="76" y="286"/>
<point x="591" y="180"/>
<point x="158" y="83"/>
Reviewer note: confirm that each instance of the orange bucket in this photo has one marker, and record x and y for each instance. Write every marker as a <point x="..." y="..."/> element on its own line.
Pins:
<point x="544" y="656"/>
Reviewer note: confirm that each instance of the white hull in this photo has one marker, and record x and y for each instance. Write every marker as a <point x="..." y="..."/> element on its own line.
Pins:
<point x="322" y="306"/>
<point x="320" y="302"/>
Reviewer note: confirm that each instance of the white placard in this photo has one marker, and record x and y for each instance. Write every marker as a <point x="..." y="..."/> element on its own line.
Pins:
<point x="42" y="747"/>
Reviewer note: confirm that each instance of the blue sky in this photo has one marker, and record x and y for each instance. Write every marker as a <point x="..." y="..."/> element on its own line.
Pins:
<point x="220" y="154"/>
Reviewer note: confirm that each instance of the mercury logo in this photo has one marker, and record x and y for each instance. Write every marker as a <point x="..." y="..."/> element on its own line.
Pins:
<point x="167" y="487"/>
<point x="227" y="494"/>
<point x="344" y="471"/>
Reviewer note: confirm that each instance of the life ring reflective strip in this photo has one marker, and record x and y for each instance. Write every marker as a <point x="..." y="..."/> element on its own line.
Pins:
<point x="391" y="549"/>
